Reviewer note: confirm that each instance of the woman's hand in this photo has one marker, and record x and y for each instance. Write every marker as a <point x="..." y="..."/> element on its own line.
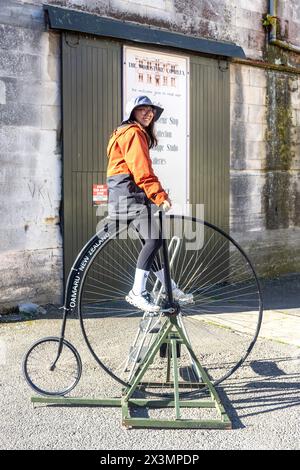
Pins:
<point x="166" y="205"/>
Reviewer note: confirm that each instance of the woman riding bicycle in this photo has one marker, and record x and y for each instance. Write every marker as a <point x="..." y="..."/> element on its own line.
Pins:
<point x="134" y="192"/>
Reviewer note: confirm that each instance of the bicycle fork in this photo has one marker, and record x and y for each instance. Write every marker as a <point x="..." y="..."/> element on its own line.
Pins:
<point x="61" y="337"/>
<point x="150" y="328"/>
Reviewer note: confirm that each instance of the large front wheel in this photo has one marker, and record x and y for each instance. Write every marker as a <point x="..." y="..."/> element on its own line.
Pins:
<point x="221" y="318"/>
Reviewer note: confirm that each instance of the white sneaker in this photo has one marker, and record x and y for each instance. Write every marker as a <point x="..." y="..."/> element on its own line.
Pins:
<point x="181" y="297"/>
<point x="142" y="301"/>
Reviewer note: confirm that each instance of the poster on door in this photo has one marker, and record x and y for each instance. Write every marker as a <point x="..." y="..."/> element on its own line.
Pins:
<point x="164" y="78"/>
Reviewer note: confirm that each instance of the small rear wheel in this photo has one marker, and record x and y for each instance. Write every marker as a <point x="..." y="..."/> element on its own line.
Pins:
<point x="50" y="373"/>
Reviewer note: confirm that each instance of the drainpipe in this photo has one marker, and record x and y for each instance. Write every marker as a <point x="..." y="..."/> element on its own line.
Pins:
<point x="272" y="34"/>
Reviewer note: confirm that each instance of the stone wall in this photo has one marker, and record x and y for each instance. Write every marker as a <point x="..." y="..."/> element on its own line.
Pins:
<point x="30" y="189"/>
<point x="265" y="125"/>
<point x="265" y="153"/>
<point x="265" y="167"/>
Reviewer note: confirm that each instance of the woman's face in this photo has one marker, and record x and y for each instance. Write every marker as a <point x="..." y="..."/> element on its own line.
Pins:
<point x="144" y="115"/>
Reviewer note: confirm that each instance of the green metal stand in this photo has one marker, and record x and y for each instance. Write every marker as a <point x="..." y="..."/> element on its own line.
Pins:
<point x="172" y="334"/>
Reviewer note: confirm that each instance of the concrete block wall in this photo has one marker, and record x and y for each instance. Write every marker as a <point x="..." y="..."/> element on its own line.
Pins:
<point x="265" y="170"/>
<point x="248" y="148"/>
<point x="265" y="197"/>
<point x="30" y="175"/>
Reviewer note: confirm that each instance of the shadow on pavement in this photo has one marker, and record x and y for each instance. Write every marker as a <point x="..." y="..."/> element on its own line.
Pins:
<point x="281" y="293"/>
<point x="275" y="390"/>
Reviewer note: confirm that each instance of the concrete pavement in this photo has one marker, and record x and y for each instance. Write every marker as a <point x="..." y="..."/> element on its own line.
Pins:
<point x="281" y="316"/>
<point x="262" y="397"/>
<point x="282" y="310"/>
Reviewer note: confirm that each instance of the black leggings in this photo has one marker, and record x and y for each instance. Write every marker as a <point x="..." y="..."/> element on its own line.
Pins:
<point x="148" y="228"/>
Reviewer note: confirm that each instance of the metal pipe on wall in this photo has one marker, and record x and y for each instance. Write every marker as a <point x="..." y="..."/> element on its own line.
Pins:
<point x="273" y="35"/>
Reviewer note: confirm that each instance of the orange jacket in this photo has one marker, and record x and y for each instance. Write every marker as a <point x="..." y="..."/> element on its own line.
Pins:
<point x="128" y="153"/>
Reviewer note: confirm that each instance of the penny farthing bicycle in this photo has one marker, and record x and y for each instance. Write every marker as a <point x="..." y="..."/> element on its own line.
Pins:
<point x="187" y="345"/>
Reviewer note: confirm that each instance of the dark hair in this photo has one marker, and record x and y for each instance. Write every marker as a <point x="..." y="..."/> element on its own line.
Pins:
<point x="152" y="137"/>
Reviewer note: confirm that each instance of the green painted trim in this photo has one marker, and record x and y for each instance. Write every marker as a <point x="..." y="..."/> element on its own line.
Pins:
<point x="176" y="424"/>
<point x="175" y="375"/>
<point x="78" y="401"/>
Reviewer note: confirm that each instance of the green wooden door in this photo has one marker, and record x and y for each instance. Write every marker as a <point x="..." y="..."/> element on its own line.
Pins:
<point x="91" y="90"/>
<point x="209" y="159"/>
<point x="210" y="138"/>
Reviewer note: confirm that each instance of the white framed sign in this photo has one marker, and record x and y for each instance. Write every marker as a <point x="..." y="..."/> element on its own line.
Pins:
<point x="164" y="78"/>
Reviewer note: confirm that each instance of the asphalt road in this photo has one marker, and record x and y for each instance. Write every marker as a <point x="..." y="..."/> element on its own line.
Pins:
<point x="262" y="399"/>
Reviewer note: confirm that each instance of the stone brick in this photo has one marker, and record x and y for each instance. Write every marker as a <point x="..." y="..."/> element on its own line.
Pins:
<point x="237" y="93"/>
<point x="17" y="237"/>
<point x="254" y="54"/>
<point x="157" y="4"/>
<point x="128" y="8"/>
<point x="257" y="114"/>
<point x="77" y="3"/>
<point x="33" y="91"/>
<point x="240" y="74"/>
<point x="245" y="18"/>
<point x="50" y="68"/>
<point x="238" y="112"/>
<point x="30" y="267"/>
<point x="295" y="94"/>
<point x="252" y="40"/>
<point x="255" y="95"/>
<point x="19" y="65"/>
<point x="273" y="252"/>
<point x="255" y="5"/>
<point x="257" y="77"/>
<point x="252" y="132"/>
<point x="296" y="160"/>
<point x="294" y="32"/>
<point x="48" y="143"/>
<point x="51" y="117"/>
<point x="54" y="47"/>
<point x="21" y="39"/>
<point x="28" y="140"/>
<point x="34" y="196"/>
<point x="15" y="114"/>
<point x="295" y="135"/>
<point x="246" y="211"/>
<point x="27" y="15"/>
<point x="33" y="171"/>
<point x="296" y="12"/>
<point x="255" y="164"/>
<point x="256" y="150"/>
<point x="97" y="6"/>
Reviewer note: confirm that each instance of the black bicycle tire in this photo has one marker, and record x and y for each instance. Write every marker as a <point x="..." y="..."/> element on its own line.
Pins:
<point x="260" y="312"/>
<point x="30" y="381"/>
